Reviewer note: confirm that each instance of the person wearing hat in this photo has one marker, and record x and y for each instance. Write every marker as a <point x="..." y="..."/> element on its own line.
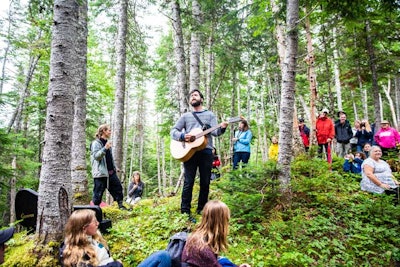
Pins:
<point x="304" y="133"/>
<point x="325" y="132"/>
<point x="5" y="235"/>
<point x="387" y="138"/>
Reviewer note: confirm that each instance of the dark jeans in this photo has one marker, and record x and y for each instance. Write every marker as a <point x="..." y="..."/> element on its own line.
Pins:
<point x="320" y="149"/>
<point x="114" y="187"/>
<point x="203" y="161"/>
<point x="240" y="156"/>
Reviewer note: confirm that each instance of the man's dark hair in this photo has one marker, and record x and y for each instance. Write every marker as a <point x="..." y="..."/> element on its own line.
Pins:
<point x="197" y="90"/>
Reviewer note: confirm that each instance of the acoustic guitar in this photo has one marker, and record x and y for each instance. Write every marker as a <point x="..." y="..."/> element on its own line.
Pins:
<point x="183" y="151"/>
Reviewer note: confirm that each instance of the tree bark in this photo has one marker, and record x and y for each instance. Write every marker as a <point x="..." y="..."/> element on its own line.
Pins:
<point x="288" y="68"/>
<point x="78" y="160"/>
<point x="336" y="71"/>
<point x="372" y="65"/>
<point x="195" y="47"/>
<point x="54" y="203"/>
<point x="179" y="52"/>
<point x="119" y="103"/>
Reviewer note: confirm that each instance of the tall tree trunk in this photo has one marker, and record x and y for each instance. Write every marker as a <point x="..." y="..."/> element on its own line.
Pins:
<point x="119" y="104"/>
<point x="195" y="47"/>
<point x="179" y="52"/>
<point x="372" y="65"/>
<point x="363" y="91"/>
<point x="287" y="98"/>
<point x="54" y="203"/>
<point x="312" y="78"/>
<point x="336" y="71"/>
<point x="397" y="97"/>
<point x="391" y="104"/>
<point x="78" y="160"/>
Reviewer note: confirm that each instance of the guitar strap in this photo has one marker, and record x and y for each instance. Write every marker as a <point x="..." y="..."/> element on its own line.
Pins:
<point x="197" y="118"/>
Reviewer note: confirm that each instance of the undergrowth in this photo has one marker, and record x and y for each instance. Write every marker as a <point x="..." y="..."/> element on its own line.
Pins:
<point x="328" y="222"/>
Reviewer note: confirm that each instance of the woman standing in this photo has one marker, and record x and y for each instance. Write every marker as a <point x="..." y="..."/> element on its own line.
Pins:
<point x="205" y="244"/>
<point x="364" y="135"/>
<point x="241" y="144"/>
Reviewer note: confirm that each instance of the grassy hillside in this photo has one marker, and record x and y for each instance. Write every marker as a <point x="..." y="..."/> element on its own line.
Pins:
<point x="329" y="222"/>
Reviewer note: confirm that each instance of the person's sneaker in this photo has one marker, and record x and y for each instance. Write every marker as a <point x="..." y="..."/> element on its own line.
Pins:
<point x="123" y="208"/>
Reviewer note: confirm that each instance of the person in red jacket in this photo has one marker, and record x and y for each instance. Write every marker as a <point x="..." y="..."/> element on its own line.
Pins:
<point x="325" y="132"/>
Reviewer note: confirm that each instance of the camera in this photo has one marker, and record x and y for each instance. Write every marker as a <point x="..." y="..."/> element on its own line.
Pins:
<point x="362" y="124"/>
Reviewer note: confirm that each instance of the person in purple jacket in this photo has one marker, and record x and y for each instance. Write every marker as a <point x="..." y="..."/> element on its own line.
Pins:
<point x="387" y="138"/>
<point x="204" y="245"/>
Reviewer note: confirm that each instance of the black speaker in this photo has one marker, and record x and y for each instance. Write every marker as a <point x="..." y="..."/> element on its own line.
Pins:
<point x="104" y="224"/>
<point x="26" y="201"/>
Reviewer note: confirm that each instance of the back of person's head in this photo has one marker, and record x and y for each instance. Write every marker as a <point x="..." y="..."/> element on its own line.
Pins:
<point x="76" y="240"/>
<point x="213" y="228"/>
<point x="102" y="128"/>
<point x="245" y="125"/>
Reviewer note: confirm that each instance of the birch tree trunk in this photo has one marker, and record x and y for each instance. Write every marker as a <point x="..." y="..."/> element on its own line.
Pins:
<point x="391" y="104"/>
<point x="336" y="71"/>
<point x="179" y="52"/>
<point x="78" y="160"/>
<point x="312" y="78"/>
<point x="372" y="65"/>
<point x="287" y="98"/>
<point x="397" y="97"/>
<point x="54" y="203"/>
<point x="195" y="47"/>
<point x="119" y="104"/>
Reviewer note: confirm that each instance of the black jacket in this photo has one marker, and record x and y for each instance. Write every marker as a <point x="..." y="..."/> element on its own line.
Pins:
<point x="343" y="132"/>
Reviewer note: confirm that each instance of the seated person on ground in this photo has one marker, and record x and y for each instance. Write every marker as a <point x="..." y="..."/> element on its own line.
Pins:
<point x="135" y="189"/>
<point x="352" y="163"/>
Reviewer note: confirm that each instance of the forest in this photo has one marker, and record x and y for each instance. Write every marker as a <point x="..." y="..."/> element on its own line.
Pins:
<point x="68" y="66"/>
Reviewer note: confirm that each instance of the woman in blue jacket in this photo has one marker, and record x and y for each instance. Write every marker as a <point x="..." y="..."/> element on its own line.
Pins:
<point x="241" y="144"/>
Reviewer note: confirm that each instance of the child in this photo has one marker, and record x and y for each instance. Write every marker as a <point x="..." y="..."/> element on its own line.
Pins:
<point x="215" y="173"/>
<point x="273" y="149"/>
<point x="352" y="163"/>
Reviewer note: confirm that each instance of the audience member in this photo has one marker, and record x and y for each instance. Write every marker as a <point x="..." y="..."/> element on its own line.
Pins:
<point x="387" y="138"/>
<point x="84" y="246"/>
<point x="5" y="235"/>
<point x="273" y="149"/>
<point x="241" y="144"/>
<point x="366" y="149"/>
<point x="305" y="134"/>
<point x="343" y="134"/>
<point x="135" y="189"/>
<point x="325" y="132"/>
<point x="352" y="163"/>
<point x="204" y="245"/>
<point x="377" y="176"/>
<point x="215" y="172"/>
<point x="354" y="140"/>
<point x="364" y="135"/>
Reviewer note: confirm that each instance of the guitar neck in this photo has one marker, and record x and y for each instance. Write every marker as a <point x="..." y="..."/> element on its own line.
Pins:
<point x="207" y="131"/>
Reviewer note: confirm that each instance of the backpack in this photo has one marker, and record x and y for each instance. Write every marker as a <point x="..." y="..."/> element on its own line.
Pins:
<point x="175" y="248"/>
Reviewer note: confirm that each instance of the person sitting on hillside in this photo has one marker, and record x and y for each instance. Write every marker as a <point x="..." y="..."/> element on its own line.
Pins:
<point x="215" y="173"/>
<point x="204" y="245"/>
<point x="352" y="163"/>
<point x="377" y="175"/>
<point x="364" y="135"/>
<point x="366" y="149"/>
<point x="273" y="149"/>
<point x="135" y="189"/>
<point x="84" y="245"/>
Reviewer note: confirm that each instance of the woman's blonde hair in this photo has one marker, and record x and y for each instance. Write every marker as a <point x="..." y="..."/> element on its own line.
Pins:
<point x="213" y="229"/>
<point x="78" y="248"/>
<point x="102" y="128"/>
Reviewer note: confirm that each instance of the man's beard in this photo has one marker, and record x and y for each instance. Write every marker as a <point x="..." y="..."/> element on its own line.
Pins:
<point x="195" y="103"/>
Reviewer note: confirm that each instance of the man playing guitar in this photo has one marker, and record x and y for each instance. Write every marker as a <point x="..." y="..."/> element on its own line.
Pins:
<point x="200" y="157"/>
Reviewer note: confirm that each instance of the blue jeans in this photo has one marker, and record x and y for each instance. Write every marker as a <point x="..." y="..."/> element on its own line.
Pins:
<point x="240" y="156"/>
<point x="157" y="259"/>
